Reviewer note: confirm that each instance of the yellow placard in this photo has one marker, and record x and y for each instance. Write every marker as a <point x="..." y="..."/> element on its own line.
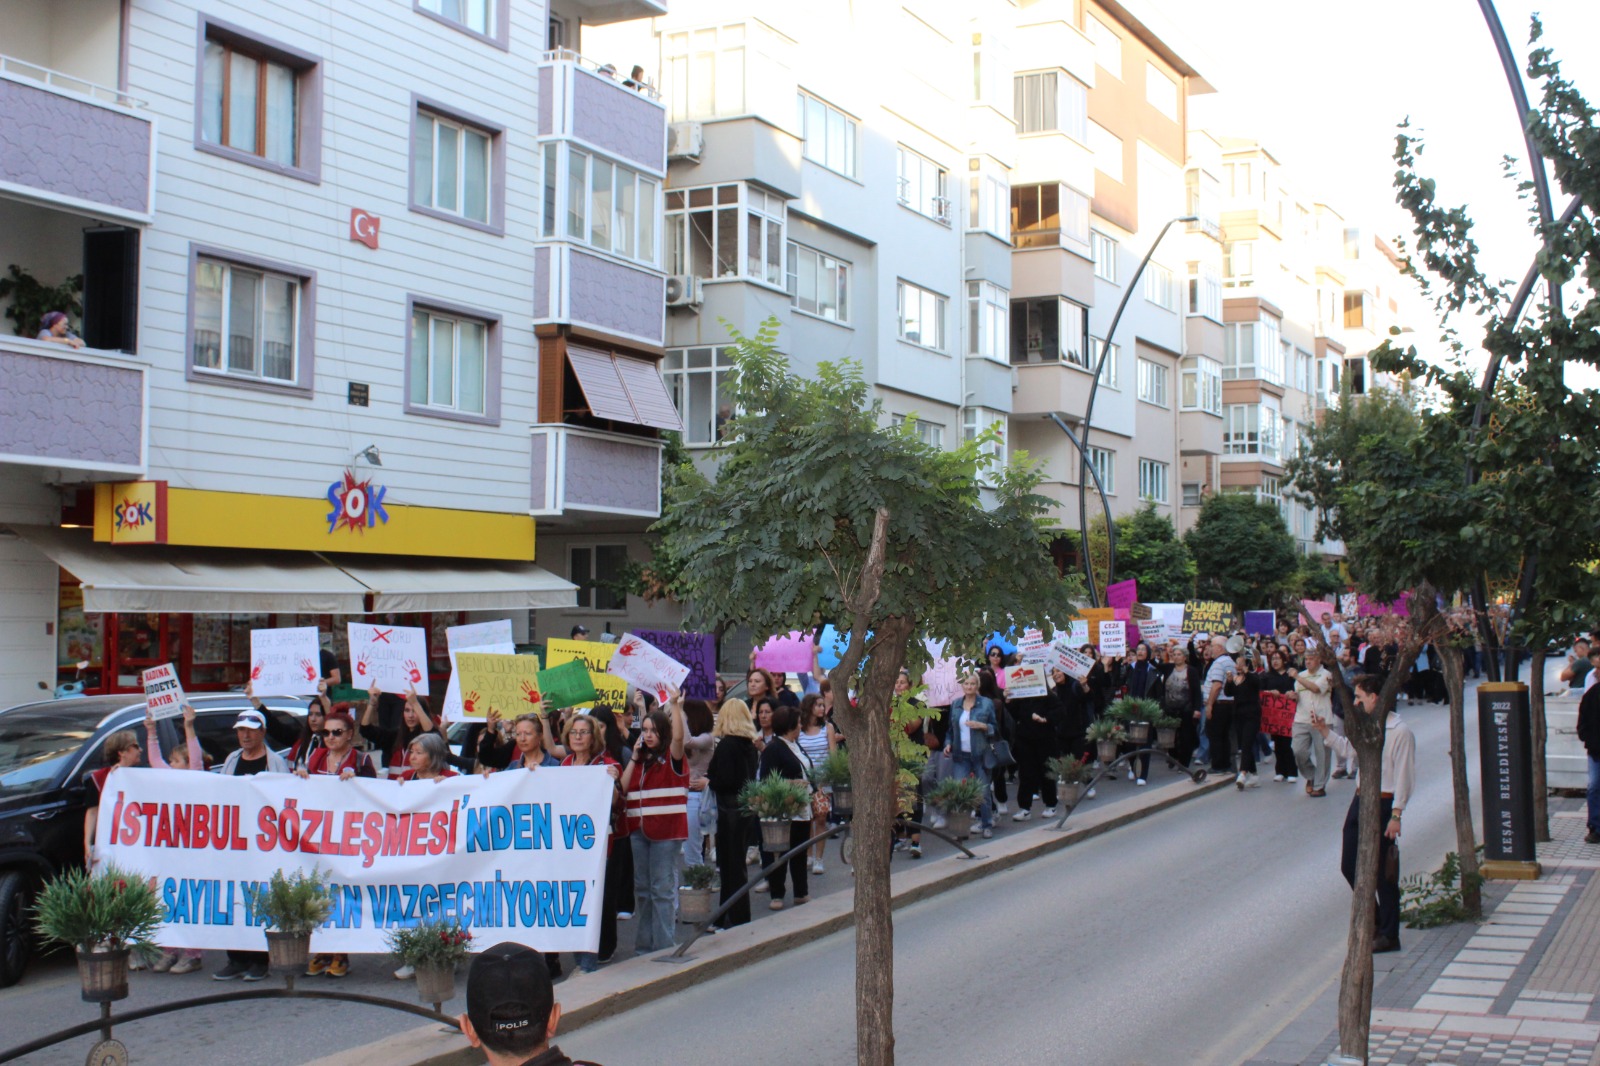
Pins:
<point x="505" y="684"/>
<point x="596" y="656"/>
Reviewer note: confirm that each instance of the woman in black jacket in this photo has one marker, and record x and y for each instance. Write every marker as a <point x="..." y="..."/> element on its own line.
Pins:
<point x="782" y="757"/>
<point x="1245" y="688"/>
<point x="989" y="685"/>
<point x="1035" y="724"/>
<point x="1277" y="678"/>
<point x="733" y="765"/>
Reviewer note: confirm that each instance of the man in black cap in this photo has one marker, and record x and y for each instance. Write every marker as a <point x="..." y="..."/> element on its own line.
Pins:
<point x="512" y="1010"/>
<point x="580" y="632"/>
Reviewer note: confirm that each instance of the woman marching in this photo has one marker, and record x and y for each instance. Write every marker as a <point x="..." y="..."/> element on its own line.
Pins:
<point x="656" y="783"/>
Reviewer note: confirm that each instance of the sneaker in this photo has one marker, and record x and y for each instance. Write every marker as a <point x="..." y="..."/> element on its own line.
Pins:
<point x="1089" y="794"/>
<point x="1130" y="775"/>
<point x="1049" y="812"/>
<point x="916" y="851"/>
<point x="816" y="866"/>
<point x="164" y="963"/>
<point x="1277" y="777"/>
<point x="135" y="963"/>
<point x="751" y="857"/>
<point x="1139" y="781"/>
<point x="1291" y="779"/>
<point x="339" y="966"/>
<point x="231" y="972"/>
<point x="258" y="972"/>
<point x="317" y="964"/>
<point x="761" y="886"/>
<point x="623" y="916"/>
<point x="187" y="964"/>
<point x="988" y="833"/>
<point x="1001" y="808"/>
<point x="1238" y="780"/>
<point x="938" y="822"/>
<point x="405" y="973"/>
<point x="1592" y="838"/>
<point x="775" y="905"/>
<point x="1021" y="816"/>
<point x="1252" y="781"/>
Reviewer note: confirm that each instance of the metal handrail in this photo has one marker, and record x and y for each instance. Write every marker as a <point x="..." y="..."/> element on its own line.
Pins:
<point x="568" y="55"/>
<point x="1198" y="776"/>
<point x="76" y="86"/>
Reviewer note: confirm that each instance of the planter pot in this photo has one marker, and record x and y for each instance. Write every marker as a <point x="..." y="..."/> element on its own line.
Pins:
<point x="1071" y="793"/>
<point x="288" y="952"/>
<point x="959" y="824"/>
<point x="1167" y="737"/>
<point x="104" y="975"/>
<point x="1107" y="751"/>
<point x="775" y="835"/>
<point x="844" y="801"/>
<point x="694" y="905"/>
<point x="1139" y="733"/>
<point x="436" y="984"/>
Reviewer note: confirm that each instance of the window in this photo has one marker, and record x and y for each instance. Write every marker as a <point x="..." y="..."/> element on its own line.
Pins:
<point x="1200" y="200"/>
<point x="989" y="207"/>
<point x="1107" y="149"/>
<point x="1049" y="329"/>
<point x="251" y="323"/>
<point x="1352" y="243"/>
<point x="1202" y="384"/>
<point x="1236" y="179"/>
<point x="555" y="33"/>
<point x="1161" y="91"/>
<point x="602" y="204"/>
<point x="1160" y="287"/>
<point x="599" y="571"/>
<point x="921" y="316"/>
<point x="1355" y="375"/>
<point x="700" y="381"/>
<point x="481" y="17"/>
<point x="1355" y="310"/>
<point x="1270" y="491"/>
<point x="1104" y="463"/>
<point x="726" y="231"/>
<point x="1238" y="264"/>
<point x="259" y="102"/>
<point x="829" y="134"/>
<point x="975" y="421"/>
<point x="450" y="367"/>
<point x="1052" y="102"/>
<point x="1251" y="429"/>
<point x="988" y="312"/>
<point x="455" y="172"/>
<point x="1193" y="494"/>
<point x="1289" y="436"/>
<point x="1152" y="481"/>
<point x="1046" y="215"/>
<point x="1104" y="252"/>
<point x="1111" y="369"/>
<point x="1107" y="45"/>
<point x="819" y="284"/>
<point x="929" y="433"/>
<point x="705" y="72"/>
<point x="1252" y="350"/>
<point x="922" y="186"/>
<point x="1205" y="292"/>
<point x="991" y="69"/>
<point x="1152" y="382"/>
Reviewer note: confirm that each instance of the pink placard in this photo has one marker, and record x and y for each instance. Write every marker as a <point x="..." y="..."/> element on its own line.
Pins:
<point x="1315" y="609"/>
<point x="1366" y="607"/>
<point x="790" y="654"/>
<point x="1123" y="593"/>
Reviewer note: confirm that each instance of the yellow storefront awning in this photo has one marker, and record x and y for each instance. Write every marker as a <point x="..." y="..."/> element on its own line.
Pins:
<point x="408" y="585"/>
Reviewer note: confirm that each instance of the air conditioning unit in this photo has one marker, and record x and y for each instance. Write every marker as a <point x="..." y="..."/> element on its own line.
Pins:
<point x="683" y="290"/>
<point x="685" y="140"/>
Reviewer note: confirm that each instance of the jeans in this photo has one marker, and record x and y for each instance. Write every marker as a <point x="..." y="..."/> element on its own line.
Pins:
<point x="694" y="848"/>
<point x="1202" y="751"/>
<point x="964" y="764"/>
<point x="655" y="891"/>
<point x="1594" y="794"/>
<point x="1309" y="746"/>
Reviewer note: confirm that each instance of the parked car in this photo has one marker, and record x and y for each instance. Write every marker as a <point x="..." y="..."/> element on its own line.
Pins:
<point x="48" y="749"/>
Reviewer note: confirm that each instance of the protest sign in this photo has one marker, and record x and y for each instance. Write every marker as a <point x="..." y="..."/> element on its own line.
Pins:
<point x="505" y="684"/>
<point x="493" y="638"/>
<point x="163" y="693"/>
<point x="523" y="861"/>
<point x="1029" y="679"/>
<point x="788" y="654"/>
<point x="285" y="662"/>
<point x="1141" y="612"/>
<point x="697" y="651"/>
<point x="568" y="685"/>
<point x="1122" y="593"/>
<point x="1070" y="661"/>
<point x="643" y="665"/>
<point x="1315" y="609"/>
<point x="395" y="658"/>
<point x="1078" y="632"/>
<point x="1031" y="645"/>
<point x="1260" y="623"/>
<point x="1348" y="602"/>
<point x="944" y="685"/>
<point x="595" y="657"/>
<point x="1113" y="638"/>
<point x="1208" y="616"/>
<point x="1367" y="607"/>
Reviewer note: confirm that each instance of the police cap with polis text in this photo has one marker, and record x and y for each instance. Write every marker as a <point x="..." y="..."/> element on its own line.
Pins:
<point x="508" y="991"/>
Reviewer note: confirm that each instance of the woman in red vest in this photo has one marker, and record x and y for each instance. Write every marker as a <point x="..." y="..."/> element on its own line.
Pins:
<point x="657" y="786"/>
<point x="585" y="741"/>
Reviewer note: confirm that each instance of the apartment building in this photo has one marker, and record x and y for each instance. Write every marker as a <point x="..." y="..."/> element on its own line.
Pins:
<point x="371" y="291"/>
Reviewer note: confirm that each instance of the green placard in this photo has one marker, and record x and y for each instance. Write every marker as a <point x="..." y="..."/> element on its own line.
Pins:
<point x="567" y="685"/>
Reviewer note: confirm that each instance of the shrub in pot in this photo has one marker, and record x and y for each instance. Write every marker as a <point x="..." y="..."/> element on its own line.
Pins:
<point x="697" y="884"/>
<point x="776" y="802"/>
<point x="1166" y="728"/>
<point x="1107" y="735"/>
<point x="293" y="905"/>
<point x="956" y="798"/>
<point x="1073" y="775"/>
<point x="834" y="773"/>
<point x="1135" y="714"/>
<point x="105" y="917"/>
<point x="432" y="949"/>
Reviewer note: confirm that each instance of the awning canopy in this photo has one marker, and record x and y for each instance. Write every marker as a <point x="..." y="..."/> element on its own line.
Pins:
<point x="188" y="580"/>
<point x="623" y="388"/>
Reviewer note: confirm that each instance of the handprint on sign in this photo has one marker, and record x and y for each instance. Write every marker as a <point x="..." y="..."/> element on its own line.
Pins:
<point x="531" y="693"/>
<point x="361" y="665"/>
<point x="469" y="705"/>
<point x="255" y="671"/>
<point x="627" y="648"/>
<point x="310" y="668"/>
<point x="413" y="672"/>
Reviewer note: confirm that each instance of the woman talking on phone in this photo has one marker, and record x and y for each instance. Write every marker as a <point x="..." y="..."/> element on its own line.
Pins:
<point x="656" y="783"/>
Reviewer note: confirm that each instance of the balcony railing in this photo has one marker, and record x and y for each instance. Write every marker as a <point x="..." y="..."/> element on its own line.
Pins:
<point x="606" y="70"/>
<point x="55" y="79"/>
<point x="576" y="471"/>
<point x="72" y="408"/>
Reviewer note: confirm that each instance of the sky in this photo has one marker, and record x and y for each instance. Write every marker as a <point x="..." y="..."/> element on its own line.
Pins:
<point x="1323" y="86"/>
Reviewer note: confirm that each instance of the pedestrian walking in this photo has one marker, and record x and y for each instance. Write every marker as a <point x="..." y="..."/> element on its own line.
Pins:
<point x="1589" y="736"/>
<point x="1312" y="701"/>
<point x="187" y="756"/>
<point x="697" y="747"/>
<point x="656" y="783"/>
<point x="969" y="746"/>
<point x="1244" y="685"/>
<point x="817" y="739"/>
<point x="1218" y="717"/>
<point x="1035" y="740"/>
<point x="1277" y="678"/>
<point x="734" y="764"/>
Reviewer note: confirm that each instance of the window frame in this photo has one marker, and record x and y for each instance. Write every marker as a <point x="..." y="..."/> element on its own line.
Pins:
<point x="934" y="430"/>
<point x="680" y="378"/>
<point x="676" y="225"/>
<point x="1106" y="41"/>
<point x="1203" y="293"/>
<point x="1199" y="497"/>
<point x="1206" y="373"/>
<point x="1154" y="75"/>
<point x="1071" y="206"/>
<point x="989" y="199"/>
<point x="1020" y="305"/>
<point x="304" y="385"/>
<point x="942" y="309"/>
<point x="987" y="305"/>
<point x="1102" y="138"/>
<point x="1161" y="287"/>
<point x="307" y="68"/>
<point x="1103" y="250"/>
<point x="973" y="423"/>
<point x="1152" y="470"/>
<point x="794" y="252"/>
<point x="556" y="209"/>
<point x="1153" y="383"/>
<point x="942" y="181"/>
<point x="498" y="33"/>
<point x="678" y="69"/>
<point x="496" y="223"/>
<point x="1104" y="462"/>
<point x="852" y="135"/>
<point x="1111" y="370"/>
<point x="491" y="361"/>
<point x="588" y="588"/>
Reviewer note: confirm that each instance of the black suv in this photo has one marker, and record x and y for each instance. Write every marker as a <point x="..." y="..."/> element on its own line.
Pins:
<point x="47" y="749"/>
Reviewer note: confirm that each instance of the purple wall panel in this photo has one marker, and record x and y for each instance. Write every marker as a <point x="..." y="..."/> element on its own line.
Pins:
<point x="625" y="123"/>
<point x="80" y="413"/>
<point x="70" y="147"/>
<point x="617" y="298"/>
<point x="609" y="473"/>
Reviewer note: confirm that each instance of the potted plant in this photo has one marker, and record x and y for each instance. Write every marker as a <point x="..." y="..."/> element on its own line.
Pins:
<point x="834" y="773"/>
<point x="1166" y="728"/>
<point x="1107" y="736"/>
<point x="694" y="893"/>
<point x="1135" y="713"/>
<point x="775" y="801"/>
<point x="293" y="905"/>
<point x="104" y="917"/>
<point x="1073" y="774"/>
<point x="432" y="949"/>
<point x="956" y="798"/>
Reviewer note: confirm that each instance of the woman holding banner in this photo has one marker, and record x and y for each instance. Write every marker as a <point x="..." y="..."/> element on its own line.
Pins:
<point x="427" y="759"/>
<point x="527" y="738"/>
<point x="656" y="784"/>
<point x="338" y="757"/>
<point x="120" y="749"/>
<point x="584" y="739"/>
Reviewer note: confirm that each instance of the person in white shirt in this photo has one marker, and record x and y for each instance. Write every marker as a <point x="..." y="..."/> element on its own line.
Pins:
<point x="1313" y="688"/>
<point x="1397" y="782"/>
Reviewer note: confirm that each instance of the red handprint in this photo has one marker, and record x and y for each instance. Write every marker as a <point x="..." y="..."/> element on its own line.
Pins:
<point x="531" y="693"/>
<point x="469" y="705"/>
<point x="255" y="671"/>
<point x="361" y="666"/>
<point x="414" y="673"/>
<point x="627" y="648"/>
<point x="310" y="668"/>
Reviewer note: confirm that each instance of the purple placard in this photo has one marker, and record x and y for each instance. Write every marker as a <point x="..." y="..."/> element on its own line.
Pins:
<point x="1260" y="623"/>
<point x="697" y="651"/>
<point x="1122" y="593"/>
<point x="790" y="654"/>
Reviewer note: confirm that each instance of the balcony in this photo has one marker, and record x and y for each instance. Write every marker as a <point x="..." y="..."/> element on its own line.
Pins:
<point x="80" y="410"/>
<point x="578" y="102"/>
<point x="71" y="143"/>
<point x="1051" y="156"/>
<point x="601" y="12"/>
<point x="579" y="472"/>
<point x="1046" y="387"/>
<point x="1053" y="43"/>
<point x="584" y="288"/>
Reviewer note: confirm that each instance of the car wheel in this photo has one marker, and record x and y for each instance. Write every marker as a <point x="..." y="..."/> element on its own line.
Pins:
<point x="16" y="929"/>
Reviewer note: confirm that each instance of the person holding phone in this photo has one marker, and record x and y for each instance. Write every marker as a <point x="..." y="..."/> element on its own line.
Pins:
<point x="656" y="784"/>
<point x="1244" y="685"/>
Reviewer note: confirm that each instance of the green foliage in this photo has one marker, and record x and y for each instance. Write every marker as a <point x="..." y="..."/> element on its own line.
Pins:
<point x="1314" y="580"/>
<point x="774" y="797"/>
<point x="833" y="770"/>
<point x="1428" y="900"/>
<point x="108" y="911"/>
<point x="1149" y="550"/>
<point x="1133" y="709"/>
<point x="956" y="795"/>
<point x="657" y="580"/>
<point x="1069" y="770"/>
<point x="1105" y="729"/>
<point x="296" y="903"/>
<point x="699" y="875"/>
<point x="1242" y="550"/>
<point x="431" y="944"/>
<point x="31" y="299"/>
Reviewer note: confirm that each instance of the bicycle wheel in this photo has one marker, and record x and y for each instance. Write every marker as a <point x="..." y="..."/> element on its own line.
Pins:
<point x="847" y="847"/>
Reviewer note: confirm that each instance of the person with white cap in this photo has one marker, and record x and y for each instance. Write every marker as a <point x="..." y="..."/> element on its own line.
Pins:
<point x="252" y="757"/>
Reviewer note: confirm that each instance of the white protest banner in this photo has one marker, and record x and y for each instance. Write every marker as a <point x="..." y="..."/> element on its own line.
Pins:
<point x="643" y="665"/>
<point x="1029" y="679"/>
<point x="491" y="638"/>
<point x="1031" y="646"/>
<point x="285" y="662"/>
<point x="395" y="657"/>
<point x="163" y="693"/>
<point x="1070" y="661"/>
<point x="516" y="856"/>
<point x="1078" y="632"/>
<point x="1113" y="638"/>
<point x="943" y="681"/>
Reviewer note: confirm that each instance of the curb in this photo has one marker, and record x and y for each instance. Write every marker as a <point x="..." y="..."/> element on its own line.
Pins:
<point x="623" y="986"/>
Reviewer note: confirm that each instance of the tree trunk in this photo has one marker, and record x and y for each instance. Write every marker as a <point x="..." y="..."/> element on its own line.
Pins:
<point x="1541" y="731"/>
<point x="1466" y="838"/>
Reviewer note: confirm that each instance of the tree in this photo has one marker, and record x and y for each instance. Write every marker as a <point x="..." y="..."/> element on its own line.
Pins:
<point x="1242" y="550"/>
<point x="819" y="514"/>
<point x="1148" y="551"/>
<point x="1313" y="580"/>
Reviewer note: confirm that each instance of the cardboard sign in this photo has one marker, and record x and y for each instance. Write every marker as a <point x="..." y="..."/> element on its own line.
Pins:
<point x="1141" y="612"/>
<point x="1122" y="593"/>
<point x="646" y="666"/>
<point x="1029" y="679"/>
<point x="493" y="638"/>
<point x="1260" y="623"/>
<point x="1113" y="638"/>
<point x="697" y="651"/>
<point x="1070" y="661"/>
<point x="505" y="684"/>
<point x="596" y="657"/>
<point x="569" y="685"/>
<point x="1208" y="616"/>
<point x="943" y="681"/>
<point x="1078" y="632"/>
<point x="163" y="693"/>
<point x="393" y="657"/>
<point x="1315" y="609"/>
<point x="790" y="654"/>
<point x="286" y="662"/>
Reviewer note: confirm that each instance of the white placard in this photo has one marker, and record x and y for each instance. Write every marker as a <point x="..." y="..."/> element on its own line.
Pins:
<point x="1114" y="638"/>
<point x="1025" y="681"/>
<point x="643" y="665"/>
<point x="1078" y="632"/>
<point x="491" y="638"/>
<point x="1070" y="661"/>
<point x="1031" y="645"/>
<point x="943" y="681"/>
<point x="285" y="662"/>
<point x="395" y="657"/>
<point x="163" y="693"/>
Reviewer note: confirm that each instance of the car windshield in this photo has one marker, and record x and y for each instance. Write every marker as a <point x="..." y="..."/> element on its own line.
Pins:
<point x="36" y="745"/>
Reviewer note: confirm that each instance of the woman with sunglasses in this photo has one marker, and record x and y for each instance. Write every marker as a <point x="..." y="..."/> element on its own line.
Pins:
<point x="338" y="757"/>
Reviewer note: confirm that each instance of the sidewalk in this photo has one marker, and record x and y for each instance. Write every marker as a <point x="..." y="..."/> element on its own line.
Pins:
<point x="1521" y="988"/>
